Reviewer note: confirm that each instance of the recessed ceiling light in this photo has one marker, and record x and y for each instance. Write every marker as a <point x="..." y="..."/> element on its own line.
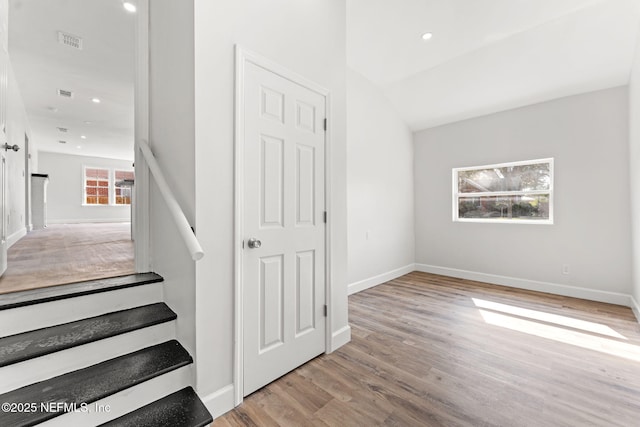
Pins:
<point x="427" y="36"/>
<point x="96" y="100"/>
<point x="87" y="122"/>
<point x="129" y="7"/>
<point x="83" y="137"/>
<point x="79" y="147"/>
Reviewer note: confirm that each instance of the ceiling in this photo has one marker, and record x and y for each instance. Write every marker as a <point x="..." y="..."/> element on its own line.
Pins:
<point x="485" y="56"/>
<point x="103" y="68"/>
<point x="488" y="56"/>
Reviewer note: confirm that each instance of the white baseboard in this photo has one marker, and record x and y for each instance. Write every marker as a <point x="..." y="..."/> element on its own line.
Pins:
<point x="379" y="279"/>
<point x="636" y="308"/>
<point x="220" y="401"/>
<point x="13" y="238"/>
<point x="339" y="338"/>
<point x="531" y="285"/>
<point x="87" y="220"/>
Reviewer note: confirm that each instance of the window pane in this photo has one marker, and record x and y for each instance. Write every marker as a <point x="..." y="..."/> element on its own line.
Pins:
<point x="120" y="175"/>
<point x="510" y="178"/>
<point x="103" y="183"/>
<point x="92" y="200"/>
<point x="92" y="191"/>
<point x="531" y="207"/>
<point x="103" y="191"/>
<point x="97" y="173"/>
<point x="92" y="183"/>
<point x="103" y="200"/>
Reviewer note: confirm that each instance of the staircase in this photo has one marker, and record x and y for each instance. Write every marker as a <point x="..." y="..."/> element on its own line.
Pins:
<point x="93" y="353"/>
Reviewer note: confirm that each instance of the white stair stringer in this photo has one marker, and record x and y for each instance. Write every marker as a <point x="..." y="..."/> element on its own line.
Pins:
<point x="48" y="366"/>
<point x="126" y="400"/>
<point x="22" y="319"/>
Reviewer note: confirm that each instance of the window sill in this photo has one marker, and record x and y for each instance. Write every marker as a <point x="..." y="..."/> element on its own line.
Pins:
<point x="506" y="221"/>
<point x="109" y="205"/>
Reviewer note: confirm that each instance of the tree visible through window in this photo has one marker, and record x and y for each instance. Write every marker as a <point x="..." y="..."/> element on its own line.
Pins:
<point x="96" y="186"/>
<point x="507" y="192"/>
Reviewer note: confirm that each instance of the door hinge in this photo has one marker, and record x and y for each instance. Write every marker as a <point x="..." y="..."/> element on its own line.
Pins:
<point x="243" y="244"/>
<point x="326" y="309"/>
<point x="325" y="125"/>
<point x="324" y="216"/>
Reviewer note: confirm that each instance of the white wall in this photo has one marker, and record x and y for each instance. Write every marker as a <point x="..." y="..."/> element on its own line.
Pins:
<point x="634" y="162"/>
<point x="587" y="136"/>
<point x="17" y="127"/>
<point x="379" y="187"/>
<point x="65" y="190"/>
<point x="172" y="141"/>
<point x="307" y="37"/>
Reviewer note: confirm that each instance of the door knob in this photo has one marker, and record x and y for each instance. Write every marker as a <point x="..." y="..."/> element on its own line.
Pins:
<point x="254" y="243"/>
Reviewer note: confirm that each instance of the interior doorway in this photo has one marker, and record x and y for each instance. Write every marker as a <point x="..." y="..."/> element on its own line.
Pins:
<point x="73" y="68"/>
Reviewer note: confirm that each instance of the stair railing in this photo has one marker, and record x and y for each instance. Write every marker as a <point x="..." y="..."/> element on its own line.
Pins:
<point x="179" y="218"/>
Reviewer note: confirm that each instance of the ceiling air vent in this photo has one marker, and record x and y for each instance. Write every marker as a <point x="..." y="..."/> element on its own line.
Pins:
<point x="63" y="130"/>
<point x="65" y="93"/>
<point x="62" y="142"/>
<point x="70" y="40"/>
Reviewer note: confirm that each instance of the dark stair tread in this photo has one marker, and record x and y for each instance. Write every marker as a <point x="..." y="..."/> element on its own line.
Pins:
<point x="182" y="408"/>
<point x="27" y="345"/>
<point x="95" y="382"/>
<point x="70" y="290"/>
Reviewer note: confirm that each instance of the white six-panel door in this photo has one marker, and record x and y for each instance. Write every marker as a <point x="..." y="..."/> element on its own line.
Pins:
<point x="283" y="280"/>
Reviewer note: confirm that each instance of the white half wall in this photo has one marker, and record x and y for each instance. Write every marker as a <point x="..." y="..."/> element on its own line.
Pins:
<point x="171" y="110"/>
<point x="65" y="190"/>
<point x="587" y="135"/>
<point x="380" y="207"/>
<point x="634" y="164"/>
<point x="308" y="38"/>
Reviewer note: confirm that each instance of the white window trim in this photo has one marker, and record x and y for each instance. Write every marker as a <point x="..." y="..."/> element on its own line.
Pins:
<point x="456" y="194"/>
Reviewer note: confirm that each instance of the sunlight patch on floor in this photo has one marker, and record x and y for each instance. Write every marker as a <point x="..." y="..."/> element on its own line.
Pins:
<point x="566" y="336"/>
<point x="596" y="328"/>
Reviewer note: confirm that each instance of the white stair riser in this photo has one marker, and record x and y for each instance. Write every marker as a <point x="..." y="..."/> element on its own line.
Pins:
<point x="127" y="400"/>
<point x="22" y="319"/>
<point x="58" y="363"/>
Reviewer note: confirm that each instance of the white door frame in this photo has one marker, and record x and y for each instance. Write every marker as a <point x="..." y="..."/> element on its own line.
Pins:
<point x="243" y="57"/>
<point x="142" y="229"/>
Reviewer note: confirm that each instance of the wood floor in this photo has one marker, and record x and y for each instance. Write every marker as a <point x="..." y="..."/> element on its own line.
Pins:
<point x="430" y="350"/>
<point x="65" y="253"/>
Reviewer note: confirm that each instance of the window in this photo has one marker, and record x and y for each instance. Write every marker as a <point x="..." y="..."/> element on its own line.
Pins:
<point x="96" y="186"/>
<point x="518" y="192"/>
<point x="107" y="187"/>
<point x="122" y="186"/>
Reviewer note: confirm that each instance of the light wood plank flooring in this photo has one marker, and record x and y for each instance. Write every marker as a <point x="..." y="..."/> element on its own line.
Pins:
<point x="65" y="253"/>
<point x="430" y="350"/>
